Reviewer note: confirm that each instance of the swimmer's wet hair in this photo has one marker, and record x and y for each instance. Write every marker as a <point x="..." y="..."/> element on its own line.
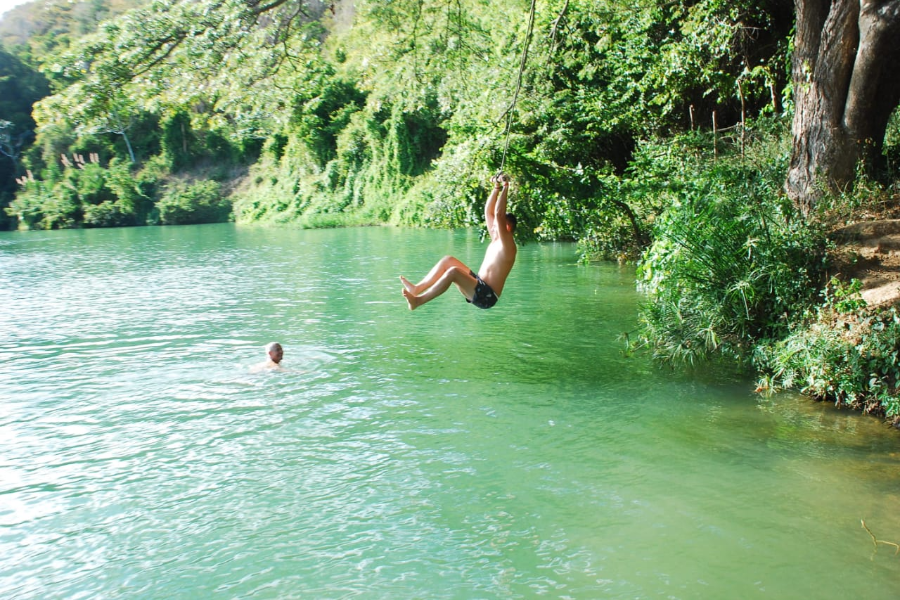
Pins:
<point x="511" y="219"/>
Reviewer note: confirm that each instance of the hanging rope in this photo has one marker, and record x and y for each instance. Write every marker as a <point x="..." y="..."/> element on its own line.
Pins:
<point x="512" y="105"/>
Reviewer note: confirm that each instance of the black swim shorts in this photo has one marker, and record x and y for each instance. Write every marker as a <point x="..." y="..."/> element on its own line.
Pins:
<point x="484" y="296"/>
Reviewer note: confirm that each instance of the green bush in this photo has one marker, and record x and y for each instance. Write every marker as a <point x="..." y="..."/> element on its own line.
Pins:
<point x="106" y="214"/>
<point x="89" y="195"/>
<point x="219" y="148"/>
<point x="324" y="111"/>
<point x="90" y="184"/>
<point x="200" y="202"/>
<point x="841" y="354"/>
<point x="133" y="198"/>
<point x="61" y="208"/>
<point x="892" y="145"/>
<point x="177" y="139"/>
<point x="364" y="165"/>
<point x="54" y="203"/>
<point x="27" y="208"/>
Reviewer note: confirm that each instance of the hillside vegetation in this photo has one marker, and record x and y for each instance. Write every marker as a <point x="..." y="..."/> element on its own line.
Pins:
<point x="364" y="112"/>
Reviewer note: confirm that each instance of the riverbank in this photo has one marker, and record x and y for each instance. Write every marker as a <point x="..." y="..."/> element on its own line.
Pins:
<point x="848" y="351"/>
<point x="869" y="251"/>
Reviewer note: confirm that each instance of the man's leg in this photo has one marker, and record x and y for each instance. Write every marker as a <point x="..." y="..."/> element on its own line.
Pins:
<point x="436" y="273"/>
<point x="460" y="276"/>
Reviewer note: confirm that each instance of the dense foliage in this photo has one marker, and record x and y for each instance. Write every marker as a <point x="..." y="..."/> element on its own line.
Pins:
<point x="373" y="111"/>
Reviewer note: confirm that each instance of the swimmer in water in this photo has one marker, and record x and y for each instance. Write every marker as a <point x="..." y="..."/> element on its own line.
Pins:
<point x="274" y="354"/>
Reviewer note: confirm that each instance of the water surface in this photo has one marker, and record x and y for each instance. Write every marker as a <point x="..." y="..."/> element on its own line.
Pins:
<point x="443" y="453"/>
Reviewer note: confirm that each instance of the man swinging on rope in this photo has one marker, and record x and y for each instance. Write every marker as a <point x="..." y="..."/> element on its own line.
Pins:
<point x="483" y="288"/>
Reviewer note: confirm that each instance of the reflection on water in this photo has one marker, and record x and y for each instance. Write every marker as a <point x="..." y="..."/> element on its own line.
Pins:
<point x="444" y="453"/>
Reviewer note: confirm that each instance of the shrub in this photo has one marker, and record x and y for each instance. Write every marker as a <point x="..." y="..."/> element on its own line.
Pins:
<point x="200" y="202"/>
<point x="106" y="214"/>
<point x="133" y="201"/>
<point x="27" y="208"/>
<point x="60" y="208"/>
<point x="90" y="183"/>
<point x="842" y="353"/>
<point x="177" y="139"/>
<point x="218" y="147"/>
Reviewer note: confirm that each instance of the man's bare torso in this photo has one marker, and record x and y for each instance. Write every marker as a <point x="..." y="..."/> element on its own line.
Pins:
<point x="498" y="262"/>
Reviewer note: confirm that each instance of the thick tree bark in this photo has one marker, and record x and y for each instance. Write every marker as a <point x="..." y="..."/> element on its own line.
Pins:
<point x="846" y="84"/>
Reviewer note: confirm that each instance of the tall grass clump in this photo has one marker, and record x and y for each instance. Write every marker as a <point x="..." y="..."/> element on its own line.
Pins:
<point x="729" y="264"/>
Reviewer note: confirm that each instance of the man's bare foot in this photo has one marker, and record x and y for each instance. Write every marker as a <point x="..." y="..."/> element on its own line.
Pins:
<point x="411" y="299"/>
<point x="409" y="286"/>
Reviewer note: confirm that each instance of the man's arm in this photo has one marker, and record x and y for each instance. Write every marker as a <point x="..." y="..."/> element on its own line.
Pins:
<point x="491" y="204"/>
<point x="500" y="205"/>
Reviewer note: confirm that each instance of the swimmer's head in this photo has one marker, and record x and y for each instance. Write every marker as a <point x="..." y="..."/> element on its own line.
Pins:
<point x="275" y="352"/>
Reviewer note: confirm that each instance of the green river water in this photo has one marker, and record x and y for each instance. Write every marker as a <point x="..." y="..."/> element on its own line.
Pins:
<point x="448" y="452"/>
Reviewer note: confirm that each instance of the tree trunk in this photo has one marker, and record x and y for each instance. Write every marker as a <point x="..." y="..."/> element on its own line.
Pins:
<point x="846" y="84"/>
<point x="128" y="144"/>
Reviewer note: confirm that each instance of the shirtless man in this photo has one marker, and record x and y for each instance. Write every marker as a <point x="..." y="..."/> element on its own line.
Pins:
<point x="275" y="353"/>
<point x="483" y="288"/>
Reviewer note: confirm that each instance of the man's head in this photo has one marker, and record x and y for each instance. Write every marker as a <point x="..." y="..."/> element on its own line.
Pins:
<point x="275" y="352"/>
<point x="511" y="222"/>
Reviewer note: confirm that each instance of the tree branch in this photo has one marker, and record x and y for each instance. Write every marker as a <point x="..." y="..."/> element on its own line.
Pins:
<point x="876" y="541"/>
<point x="258" y="10"/>
<point x="149" y="66"/>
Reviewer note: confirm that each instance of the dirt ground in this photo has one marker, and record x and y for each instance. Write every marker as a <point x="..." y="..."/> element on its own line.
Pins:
<point x="870" y="252"/>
